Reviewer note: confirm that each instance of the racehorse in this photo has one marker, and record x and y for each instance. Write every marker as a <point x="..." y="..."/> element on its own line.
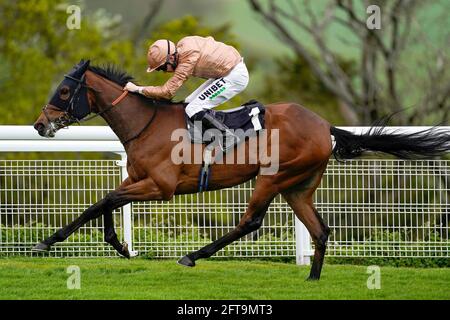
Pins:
<point x="144" y="126"/>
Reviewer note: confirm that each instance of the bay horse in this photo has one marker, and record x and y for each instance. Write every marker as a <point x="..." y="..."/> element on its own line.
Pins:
<point x="144" y="126"/>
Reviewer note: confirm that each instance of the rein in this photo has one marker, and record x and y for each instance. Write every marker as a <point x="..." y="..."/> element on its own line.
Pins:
<point x="113" y="104"/>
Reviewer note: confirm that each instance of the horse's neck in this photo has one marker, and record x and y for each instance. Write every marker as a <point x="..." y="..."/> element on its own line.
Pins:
<point x="129" y="117"/>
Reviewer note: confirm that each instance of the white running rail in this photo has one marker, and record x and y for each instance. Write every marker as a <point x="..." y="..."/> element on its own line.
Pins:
<point x="376" y="207"/>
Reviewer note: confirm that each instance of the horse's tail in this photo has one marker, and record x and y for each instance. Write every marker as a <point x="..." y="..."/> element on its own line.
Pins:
<point x="423" y="144"/>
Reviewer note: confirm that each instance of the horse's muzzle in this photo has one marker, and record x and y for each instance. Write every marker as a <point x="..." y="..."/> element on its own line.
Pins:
<point x="40" y="128"/>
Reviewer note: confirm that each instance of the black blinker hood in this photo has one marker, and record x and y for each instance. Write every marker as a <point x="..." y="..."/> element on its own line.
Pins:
<point x="77" y="103"/>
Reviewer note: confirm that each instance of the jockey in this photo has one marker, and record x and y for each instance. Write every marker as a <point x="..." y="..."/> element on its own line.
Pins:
<point x="201" y="57"/>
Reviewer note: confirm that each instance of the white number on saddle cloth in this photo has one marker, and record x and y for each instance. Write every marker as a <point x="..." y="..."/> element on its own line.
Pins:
<point x="255" y="119"/>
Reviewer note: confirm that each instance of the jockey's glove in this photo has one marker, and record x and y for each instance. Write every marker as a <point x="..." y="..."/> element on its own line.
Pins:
<point x="130" y="86"/>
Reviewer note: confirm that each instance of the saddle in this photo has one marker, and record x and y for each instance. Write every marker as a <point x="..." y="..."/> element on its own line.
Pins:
<point x="245" y="120"/>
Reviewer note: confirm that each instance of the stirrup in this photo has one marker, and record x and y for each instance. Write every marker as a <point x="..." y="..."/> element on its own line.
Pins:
<point x="229" y="141"/>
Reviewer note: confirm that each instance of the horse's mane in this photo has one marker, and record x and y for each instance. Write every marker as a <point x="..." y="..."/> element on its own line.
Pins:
<point x="113" y="73"/>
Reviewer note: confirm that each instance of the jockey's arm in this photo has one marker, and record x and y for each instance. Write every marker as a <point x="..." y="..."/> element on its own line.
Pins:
<point x="181" y="74"/>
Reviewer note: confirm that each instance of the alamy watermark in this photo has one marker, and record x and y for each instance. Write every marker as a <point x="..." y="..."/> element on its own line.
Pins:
<point x="373" y="22"/>
<point x="73" y="21"/>
<point x="262" y="147"/>
<point x="374" y="279"/>
<point x="74" y="280"/>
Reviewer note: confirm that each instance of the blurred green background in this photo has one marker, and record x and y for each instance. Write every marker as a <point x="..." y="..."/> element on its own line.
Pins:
<point x="36" y="49"/>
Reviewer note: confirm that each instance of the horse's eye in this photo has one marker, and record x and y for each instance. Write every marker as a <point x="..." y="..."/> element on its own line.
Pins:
<point x="64" y="93"/>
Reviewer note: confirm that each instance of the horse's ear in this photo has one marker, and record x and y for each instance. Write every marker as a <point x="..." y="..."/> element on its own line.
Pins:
<point x="84" y="64"/>
<point x="80" y="69"/>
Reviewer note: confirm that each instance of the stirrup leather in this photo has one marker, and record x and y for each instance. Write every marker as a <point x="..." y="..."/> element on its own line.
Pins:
<point x="229" y="138"/>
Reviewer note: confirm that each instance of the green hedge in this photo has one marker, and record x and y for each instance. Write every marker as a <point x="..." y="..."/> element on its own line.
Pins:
<point x="395" y="242"/>
<point x="196" y="238"/>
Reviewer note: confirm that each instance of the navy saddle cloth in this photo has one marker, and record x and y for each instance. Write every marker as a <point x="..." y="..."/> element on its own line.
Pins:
<point x="238" y="118"/>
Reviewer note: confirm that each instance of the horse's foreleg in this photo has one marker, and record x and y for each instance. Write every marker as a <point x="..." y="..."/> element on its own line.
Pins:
<point x="142" y="190"/>
<point x="252" y="219"/>
<point x="115" y="200"/>
<point x="106" y="205"/>
<point x="112" y="201"/>
<point x="90" y="213"/>
<point x="111" y="235"/>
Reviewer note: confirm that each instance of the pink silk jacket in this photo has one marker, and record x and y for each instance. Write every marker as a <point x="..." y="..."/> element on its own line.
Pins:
<point x="201" y="57"/>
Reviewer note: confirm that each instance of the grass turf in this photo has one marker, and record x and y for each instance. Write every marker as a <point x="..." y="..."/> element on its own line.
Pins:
<point x="46" y="278"/>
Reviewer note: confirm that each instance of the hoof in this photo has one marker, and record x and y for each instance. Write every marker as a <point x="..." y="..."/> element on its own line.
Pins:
<point x="125" y="252"/>
<point x="41" y="247"/>
<point x="186" y="261"/>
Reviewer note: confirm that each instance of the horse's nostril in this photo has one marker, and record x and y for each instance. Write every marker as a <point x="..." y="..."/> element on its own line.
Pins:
<point x="39" y="127"/>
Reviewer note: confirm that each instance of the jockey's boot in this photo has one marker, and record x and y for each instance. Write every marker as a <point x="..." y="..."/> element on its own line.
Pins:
<point x="229" y="139"/>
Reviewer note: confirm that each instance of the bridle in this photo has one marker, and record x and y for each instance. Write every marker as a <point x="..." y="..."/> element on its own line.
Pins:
<point x="67" y="118"/>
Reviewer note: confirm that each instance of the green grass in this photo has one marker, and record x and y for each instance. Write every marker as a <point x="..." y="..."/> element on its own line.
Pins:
<point x="36" y="278"/>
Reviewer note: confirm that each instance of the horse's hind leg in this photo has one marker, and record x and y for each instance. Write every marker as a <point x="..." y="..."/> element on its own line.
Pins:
<point x="300" y="200"/>
<point x="309" y="216"/>
<point x="252" y="219"/>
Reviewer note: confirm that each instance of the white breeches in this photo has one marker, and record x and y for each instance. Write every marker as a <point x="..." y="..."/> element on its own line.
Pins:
<point x="214" y="92"/>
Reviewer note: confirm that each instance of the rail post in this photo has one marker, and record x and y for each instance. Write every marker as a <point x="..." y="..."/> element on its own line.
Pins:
<point x="126" y="209"/>
<point x="303" y="250"/>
